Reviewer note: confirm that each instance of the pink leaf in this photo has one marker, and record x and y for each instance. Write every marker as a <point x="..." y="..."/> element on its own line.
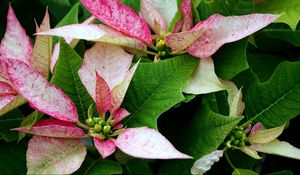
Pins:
<point x="119" y="115"/>
<point x="256" y="128"/>
<point x="120" y="17"/>
<point x="48" y="155"/>
<point x="152" y="15"/>
<point x="15" y="44"/>
<point x="221" y="30"/>
<point x="42" y="96"/>
<point x="111" y="62"/>
<point x="76" y="31"/>
<point x="186" y="9"/>
<point x="105" y="148"/>
<point x="147" y="143"/>
<point x="177" y="26"/>
<point x="180" y="41"/>
<point x="6" y="89"/>
<point x="53" y="128"/>
<point x="3" y="71"/>
<point x="42" y="49"/>
<point x="103" y="95"/>
<point x="118" y="126"/>
<point x="119" y="91"/>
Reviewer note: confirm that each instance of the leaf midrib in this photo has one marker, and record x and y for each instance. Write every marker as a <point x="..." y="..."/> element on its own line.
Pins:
<point x="158" y="88"/>
<point x="277" y="101"/>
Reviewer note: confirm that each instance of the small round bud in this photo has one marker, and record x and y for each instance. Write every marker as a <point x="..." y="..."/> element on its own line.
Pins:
<point x="106" y="129"/>
<point x="239" y="134"/>
<point x="163" y="53"/>
<point x="97" y="128"/>
<point x="235" y="142"/>
<point x="90" y="122"/>
<point x="97" y="119"/>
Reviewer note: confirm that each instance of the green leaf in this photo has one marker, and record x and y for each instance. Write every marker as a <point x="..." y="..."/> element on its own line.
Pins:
<point x="66" y="78"/>
<point x="226" y="8"/>
<point x="277" y="100"/>
<point x="71" y="17"/>
<point x="12" y="158"/>
<point x="283" y="32"/>
<point x="258" y="62"/>
<point x="206" y="131"/>
<point x="231" y="59"/>
<point x="202" y="134"/>
<point x="103" y="167"/>
<point x="243" y="172"/>
<point x="134" y="4"/>
<point x="155" y="88"/>
<point x="137" y="167"/>
<point x="290" y="10"/>
<point x="285" y="172"/>
<point x="9" y="121"/>
<point x="217" y="102"/>
<point x="57" y="8"/>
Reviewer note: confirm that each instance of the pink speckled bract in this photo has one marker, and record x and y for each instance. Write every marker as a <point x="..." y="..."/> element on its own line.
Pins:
<point x="119" y="115"/>
<point x="103" y="95"/>
<point x="15" y="43"/>
<point x="48" y="155"/>
<point x="54" y="128"/>
<point x="110" y="62"/>
<point x="118" y="92"/>
<point x="41" y="95"/>
<point x="147" y="143"/>
<point x="119" y="16"/>
<point x="186" y="9"/>
<point x="149" y="12"/>
<point x="6" y="89"/>
<point x="105" y="148"/>
<point x="221" y="30"/>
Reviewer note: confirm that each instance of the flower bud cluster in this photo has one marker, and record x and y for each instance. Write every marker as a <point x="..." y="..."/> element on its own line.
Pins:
<point x="99" y="127"/>
<point x="237" y="138"/>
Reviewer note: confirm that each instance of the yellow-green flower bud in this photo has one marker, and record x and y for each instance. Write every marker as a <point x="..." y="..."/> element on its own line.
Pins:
<point x="90" y="122"/>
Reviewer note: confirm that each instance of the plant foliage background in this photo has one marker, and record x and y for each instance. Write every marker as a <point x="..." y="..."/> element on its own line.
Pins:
<point x="266" y="65"/>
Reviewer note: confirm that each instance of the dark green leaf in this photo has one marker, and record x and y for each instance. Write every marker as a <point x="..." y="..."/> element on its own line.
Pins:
<point x="137" y="167"/>
<point x="134" y="4"/>
<point x="9" y="121"/>
<point x="244" y="172"/>
<point x="71" y="17"/>
<point x="12" y="158"/>
<point x="231" y="59"/>
<point x="203" y="134"/>
<point x="226" y="8"/>
<point x="155" y="88"/>
<point x="277" y="100"/>
<point x="103" y="167"/>
<point x="57" y="8"/>
<point x="258" y="62"/>
<point x="66" y="78"/>
<point x="285" y="172"/>
<point x="283" y="32"/>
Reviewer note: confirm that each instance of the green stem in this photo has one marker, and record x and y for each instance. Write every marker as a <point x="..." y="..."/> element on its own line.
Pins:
<point x="229" y="161"/>
<point x="78" y="123"/>
<point x="149" y="52"/>
<point x="152" y="47"/>
<point x="178" y="53"/>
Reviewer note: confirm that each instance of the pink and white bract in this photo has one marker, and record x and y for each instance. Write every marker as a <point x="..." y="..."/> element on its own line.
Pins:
<point x="202" y="40"/>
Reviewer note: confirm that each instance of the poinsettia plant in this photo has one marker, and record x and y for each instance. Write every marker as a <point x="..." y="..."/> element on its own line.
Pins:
<point x="112" y="86"/>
